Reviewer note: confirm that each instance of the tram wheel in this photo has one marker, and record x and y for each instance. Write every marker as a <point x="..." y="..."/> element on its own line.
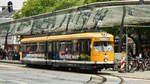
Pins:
<point x="29" y="65"/>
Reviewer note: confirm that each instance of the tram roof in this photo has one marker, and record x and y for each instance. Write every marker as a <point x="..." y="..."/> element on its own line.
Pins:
<point x="67" y="37"/>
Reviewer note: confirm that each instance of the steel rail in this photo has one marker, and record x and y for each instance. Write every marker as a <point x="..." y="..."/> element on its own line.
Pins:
<point x="104" y="79"/>
<point x="122" y="80"/>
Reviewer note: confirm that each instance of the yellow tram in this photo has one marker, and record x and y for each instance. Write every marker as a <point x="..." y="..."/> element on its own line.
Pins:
<point x="89" y="50"/>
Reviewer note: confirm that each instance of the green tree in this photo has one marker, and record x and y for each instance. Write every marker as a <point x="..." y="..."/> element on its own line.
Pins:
<point x="35" y="7"/>
<point x="17" y="15"/>
<point x="91" y="1"/>
<point x="63" y="4"/>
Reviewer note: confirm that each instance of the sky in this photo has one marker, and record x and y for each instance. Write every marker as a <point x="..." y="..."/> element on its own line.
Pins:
<point x="17" y="4"/>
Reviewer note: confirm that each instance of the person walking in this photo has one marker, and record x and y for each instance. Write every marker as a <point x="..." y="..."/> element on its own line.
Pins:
<point x="3" y="54"/>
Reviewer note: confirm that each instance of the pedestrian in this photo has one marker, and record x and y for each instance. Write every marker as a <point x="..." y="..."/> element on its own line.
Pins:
<point x="1" y="53"/>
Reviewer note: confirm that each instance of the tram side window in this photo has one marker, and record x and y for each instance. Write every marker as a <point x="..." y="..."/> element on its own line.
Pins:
<point x="65" y="46"/>
<point x="75" y="45"/>
<point x="50" y="50"/>
<point x="56" y="50"/>
<point x="53" y="49"/>
<point x="49" y="47"/>
<point x="68" y="50"/>
<point x="31" y="47"/>
<point x="40" y="47"/>
<point x="85" y="46"/>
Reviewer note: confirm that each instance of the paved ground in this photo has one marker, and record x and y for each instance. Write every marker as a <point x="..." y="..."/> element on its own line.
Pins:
<point x="17" y="73"/>
<point x="137" y="74"/>
<point x="20" y="74"/>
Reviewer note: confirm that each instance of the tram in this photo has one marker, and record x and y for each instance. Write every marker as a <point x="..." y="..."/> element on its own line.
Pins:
<point x="86" y="51"/>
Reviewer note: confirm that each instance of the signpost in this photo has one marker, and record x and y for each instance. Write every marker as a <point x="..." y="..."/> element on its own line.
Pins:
<point x="126" y="58"/>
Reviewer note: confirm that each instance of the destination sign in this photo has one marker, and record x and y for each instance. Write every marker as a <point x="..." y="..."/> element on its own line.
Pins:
<point x="104" y="39"/>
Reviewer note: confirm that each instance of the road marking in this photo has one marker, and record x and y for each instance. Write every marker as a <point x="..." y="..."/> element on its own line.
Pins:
<point x="3" y="66"/>
<point x="19" y="82"/>
<point x="2" y="81"/>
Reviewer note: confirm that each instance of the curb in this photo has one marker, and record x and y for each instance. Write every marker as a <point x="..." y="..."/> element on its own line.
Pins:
<point x="10" y="61"/>
<point x="133" y="77"/>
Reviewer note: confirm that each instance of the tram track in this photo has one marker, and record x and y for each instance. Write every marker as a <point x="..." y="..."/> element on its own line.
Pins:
<point x="105" y="78"/>
<point x="121" y="79"/>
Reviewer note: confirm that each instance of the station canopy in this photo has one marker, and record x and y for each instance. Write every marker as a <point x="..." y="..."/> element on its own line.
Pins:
<point x="101" y="15"/>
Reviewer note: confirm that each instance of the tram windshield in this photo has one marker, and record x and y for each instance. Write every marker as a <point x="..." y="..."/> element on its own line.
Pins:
<point x="103" y="46"/>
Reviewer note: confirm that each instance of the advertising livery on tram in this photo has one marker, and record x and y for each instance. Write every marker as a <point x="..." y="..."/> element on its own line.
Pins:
<point x="89" y="50"/>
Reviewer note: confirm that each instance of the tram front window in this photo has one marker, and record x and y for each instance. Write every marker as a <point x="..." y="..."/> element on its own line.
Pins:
<point x="103" y="46"/>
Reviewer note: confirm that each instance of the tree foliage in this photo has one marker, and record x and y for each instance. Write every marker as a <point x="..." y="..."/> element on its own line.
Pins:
<point x="35" y="7"/>
<point x="91" y="1"/>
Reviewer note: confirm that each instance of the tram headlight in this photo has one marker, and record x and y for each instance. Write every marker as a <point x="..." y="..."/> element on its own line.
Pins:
<point x="105" y="59"/>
